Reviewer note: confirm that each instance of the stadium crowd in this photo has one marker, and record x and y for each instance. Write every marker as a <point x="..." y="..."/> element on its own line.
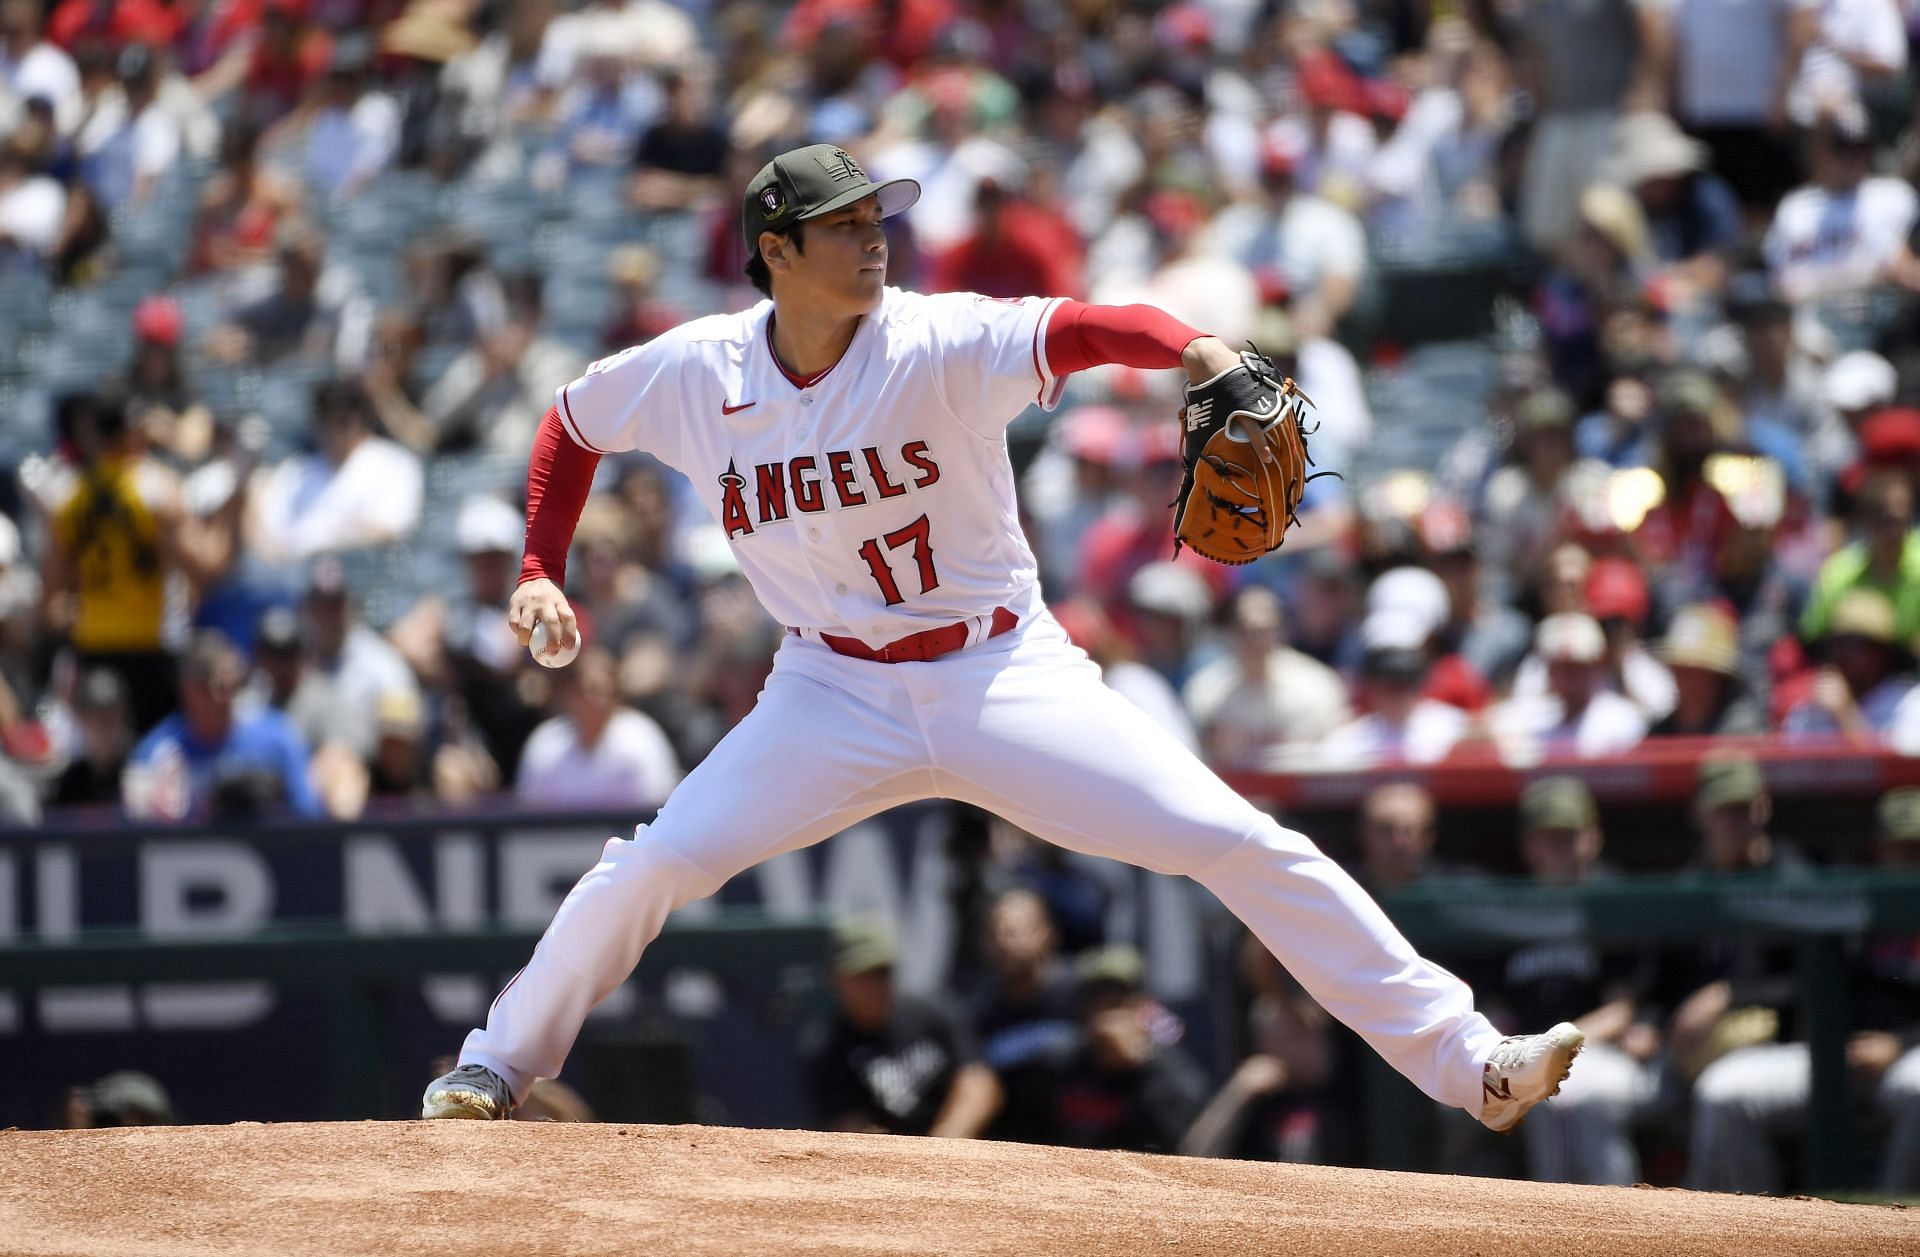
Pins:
<point x="285" y="285"/>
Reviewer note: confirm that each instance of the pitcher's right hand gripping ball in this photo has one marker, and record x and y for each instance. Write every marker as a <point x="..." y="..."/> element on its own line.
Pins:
<point x="1246" y="461"/>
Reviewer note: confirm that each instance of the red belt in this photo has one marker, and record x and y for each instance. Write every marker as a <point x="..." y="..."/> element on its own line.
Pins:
<point x="917" y="647"/>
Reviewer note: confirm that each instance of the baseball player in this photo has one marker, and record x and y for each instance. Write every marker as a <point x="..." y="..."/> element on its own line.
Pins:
<point x="850" y="440"/>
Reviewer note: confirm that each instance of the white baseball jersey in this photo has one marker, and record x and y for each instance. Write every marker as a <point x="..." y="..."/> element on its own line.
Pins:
<point x="876" y="501"/>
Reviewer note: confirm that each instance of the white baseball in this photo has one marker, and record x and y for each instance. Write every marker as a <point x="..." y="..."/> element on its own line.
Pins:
<point x="560" y="658"/>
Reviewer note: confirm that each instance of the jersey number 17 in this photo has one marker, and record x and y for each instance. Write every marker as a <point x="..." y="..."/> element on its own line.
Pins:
<point x="918" y="533"/>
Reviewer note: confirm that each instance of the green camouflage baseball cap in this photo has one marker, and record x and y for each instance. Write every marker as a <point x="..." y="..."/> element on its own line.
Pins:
<point x="1116" y="964"/>
<point x="812" y="181"/>
<point x="1728" y="779"/>
<point x="1900" y="815"/>
<point x="1558" y="803"/>
<point x="861" y="945"/>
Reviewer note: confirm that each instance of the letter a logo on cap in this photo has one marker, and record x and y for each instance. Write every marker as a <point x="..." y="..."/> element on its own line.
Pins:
<point x="840" y="165"/>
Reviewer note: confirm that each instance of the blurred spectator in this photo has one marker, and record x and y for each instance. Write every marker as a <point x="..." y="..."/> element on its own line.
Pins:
<point x="1167" y="603"/>
<point x="300" y="318"/>
<point x="1728" y="996"/>
<point x="1886" y="1059"/>
<point x="280" y="659"/>
<point x="33" y="67"/>
<point x="680" y="158"/>
<point x="1399" y="724"/>
<point x="126" y="1098"/>
<point x="1395" y="833"/>
<point x="1759" y="1092"/>
<point x="356" y="489"/>
<point x="892" y="1063"/>
<point x="126" y="153"/>
<point x="159" y="398"/>
<point x="1593" y="303"/>
<point x="601" y="113"/>
<point x="1702" y="650"/>
<point x="1527" y="504"/>
<point x="1414" y="603"/>
<point x="462" y="650"/>
<point x="1070" y="485"/>
<point x="1582" y="63"/>
<point x="1487" y="635"/>
<point x="1260" y="693"/>
<point x="350" y="130"/>
<point x="1325" y="606"/>
<point x="105" y="730"/>
<point x="1733" y="62"/>
<point x="210" y="760"/>
<point x="241" y="206"/>
<point x="1856" y="45"/>
<point x="1576" y="715"/>
<point x="1855" y="387"/>
<point x="597" y="752"/>
<point x="1885" y="559"/>
<point x="400" y="767"/>
<point x="1304" y="249"/>
<point x="33" y="210"/>
<point x="492" y="395"/>
<point x="1616" y="597"/>
<point x="1128" y="1086"/>
<point x="1683" y="530"/>
<point x="1015" y="249"/>
<point x="1025" y="1010"/>
<point x="1811" y="261"/>
<point x="1693" y="219"/>
<point x="1584" y="1135"/>
<point x="1274" y="1106"/>
<point x="118" y="543"/>
<point x="1864" y="674"/>
<point x="639" y="313"/>
<point x="349" y="668"/>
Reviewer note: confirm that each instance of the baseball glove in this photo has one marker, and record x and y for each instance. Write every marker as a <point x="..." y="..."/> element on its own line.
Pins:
<point x="1245" y="453"/>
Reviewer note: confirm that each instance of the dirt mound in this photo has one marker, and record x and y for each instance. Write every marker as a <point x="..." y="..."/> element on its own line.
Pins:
<point x="533" y="1189"/>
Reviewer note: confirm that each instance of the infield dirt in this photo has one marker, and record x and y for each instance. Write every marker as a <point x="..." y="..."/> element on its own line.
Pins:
<point x="534" y="1190"/>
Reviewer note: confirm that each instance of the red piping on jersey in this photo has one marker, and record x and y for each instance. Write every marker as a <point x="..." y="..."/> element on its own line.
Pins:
<point x="573" y="425"/>
<point x="559" y="477"/>
<point x="1081" y="336"/>
<point x="801" y="381"/>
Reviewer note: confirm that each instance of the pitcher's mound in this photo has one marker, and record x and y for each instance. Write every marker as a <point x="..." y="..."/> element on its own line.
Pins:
<point x="526" y="1189"/>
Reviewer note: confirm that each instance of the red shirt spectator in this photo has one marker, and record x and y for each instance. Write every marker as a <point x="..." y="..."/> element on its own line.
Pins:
<point x="905" y="30"/>
<point x="1019" y="249"/>
<point x="113" y="22"/>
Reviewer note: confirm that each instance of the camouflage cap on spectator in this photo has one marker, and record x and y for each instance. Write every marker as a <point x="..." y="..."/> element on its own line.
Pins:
<point x="131" y="1094"/>
<point x="1900" y="815"/>
<point x="1558" y="803"/>
<point x="1862" y="612"/>
<point x="1728" y="779"/>
<point x="861" y="945"/>
<point x="1702" y="636"/>
<point x="1115" y="965"/>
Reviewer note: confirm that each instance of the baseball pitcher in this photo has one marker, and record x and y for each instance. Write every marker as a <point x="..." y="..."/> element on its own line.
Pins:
<point x="850" y="439"/>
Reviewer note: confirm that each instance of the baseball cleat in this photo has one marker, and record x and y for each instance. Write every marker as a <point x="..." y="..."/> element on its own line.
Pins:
<point x="1524" y="1070"/>
<point x="473" y="1092"/>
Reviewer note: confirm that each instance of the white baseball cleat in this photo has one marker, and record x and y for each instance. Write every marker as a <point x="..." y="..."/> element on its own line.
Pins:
<point x="1524" y="1070"/>
<point x="473" y="1092"/>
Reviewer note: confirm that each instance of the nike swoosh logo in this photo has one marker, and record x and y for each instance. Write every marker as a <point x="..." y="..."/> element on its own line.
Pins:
<point x="729" y="410"/>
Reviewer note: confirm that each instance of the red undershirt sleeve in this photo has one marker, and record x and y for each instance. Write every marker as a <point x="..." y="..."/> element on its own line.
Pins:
<point x="1081" y="336"/>
<point x="559" y="477"/>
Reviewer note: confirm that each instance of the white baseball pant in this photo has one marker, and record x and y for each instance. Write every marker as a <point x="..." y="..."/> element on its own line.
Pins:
<point x="1022" y="726"/>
